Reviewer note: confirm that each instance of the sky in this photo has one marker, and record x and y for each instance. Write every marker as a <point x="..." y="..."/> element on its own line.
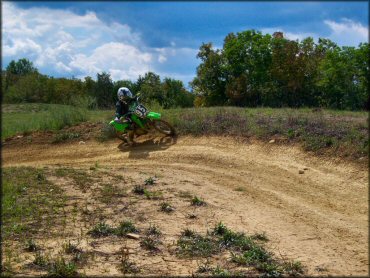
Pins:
<point x="127" y="39"/>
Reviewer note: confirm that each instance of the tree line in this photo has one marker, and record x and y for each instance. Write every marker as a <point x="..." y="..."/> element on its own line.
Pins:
<point x="250" y="70"/>
<point x="22" y="82"/>
<point x="253" y="69"/>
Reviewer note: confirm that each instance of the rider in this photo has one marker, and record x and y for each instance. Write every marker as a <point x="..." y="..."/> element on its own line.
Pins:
<point x="122" y="106"/>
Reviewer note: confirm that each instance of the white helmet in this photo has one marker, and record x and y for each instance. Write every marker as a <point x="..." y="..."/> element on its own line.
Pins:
<point x="124" y="94"/>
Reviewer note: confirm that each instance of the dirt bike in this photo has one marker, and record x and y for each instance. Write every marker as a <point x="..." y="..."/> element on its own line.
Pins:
<point x="142" y="121"/>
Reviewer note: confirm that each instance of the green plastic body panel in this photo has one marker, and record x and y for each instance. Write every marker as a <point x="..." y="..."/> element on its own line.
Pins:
<point x="119" y="126"/>
<point x="153" y="115"/>
<point x="137" y="120"/>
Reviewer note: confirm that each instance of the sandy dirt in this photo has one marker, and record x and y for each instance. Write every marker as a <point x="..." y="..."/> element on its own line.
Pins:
<point x="312" y="209"/>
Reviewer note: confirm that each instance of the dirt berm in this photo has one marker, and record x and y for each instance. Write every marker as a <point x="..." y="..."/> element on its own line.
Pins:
<point x="312" y="209"/>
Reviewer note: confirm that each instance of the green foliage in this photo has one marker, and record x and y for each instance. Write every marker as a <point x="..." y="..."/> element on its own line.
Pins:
<point x="196" y="201"/>
<point x="125" y="227"/>
<point x="29" y="201"/>
<point x="32" y="117"/>
<point x="61" y="268"/>
<point x="23" y="83"/>
<point x="101" y="230"/>
<point x="259" y="70"/>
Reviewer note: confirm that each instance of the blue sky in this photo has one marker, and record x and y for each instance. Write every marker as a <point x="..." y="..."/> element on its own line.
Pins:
<point x="127" y="39"/>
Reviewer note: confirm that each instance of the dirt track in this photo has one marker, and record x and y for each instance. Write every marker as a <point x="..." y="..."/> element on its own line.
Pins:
<point x="319" y="217"/>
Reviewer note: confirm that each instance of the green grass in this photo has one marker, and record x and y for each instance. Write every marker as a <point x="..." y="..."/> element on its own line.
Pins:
<point x="23" y="118"/>
<point x="29" y="202"/>
<point x="329" y="131"/>
<point x="244" y="250"/>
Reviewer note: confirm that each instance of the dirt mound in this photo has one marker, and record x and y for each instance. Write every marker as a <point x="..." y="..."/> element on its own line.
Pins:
<point x="312" y="209"/>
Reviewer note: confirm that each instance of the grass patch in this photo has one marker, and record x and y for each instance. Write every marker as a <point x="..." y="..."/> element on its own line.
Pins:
<point x="153" y="230"/>
<point x="80" y="178"/>
<point x="167" y="207"/>
<point x="244" y="250"/>
<point x="101" y="230"/>
<point x="30" y="203"/>
<point x="107" y="133"/>
<point x="61" y="268"/>
<point x="150" y="181"/>
<point x="321" y="131"/>
<point x="318" y="131"/>
<point x="64" y="136"/>
<point x="139" y="190"/>
<point x="150" y="243"/>
<point x="126" y="266"/>
<point x="23" y="118"/>
<point x="125" y="227"/>
<point x="196" y="201"/>
<point x="108" y="192"/>
<point x="31" y="246"/>
<point x="153" y="195"/>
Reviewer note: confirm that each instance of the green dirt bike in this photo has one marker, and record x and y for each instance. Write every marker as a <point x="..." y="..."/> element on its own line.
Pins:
<point x="143" y="121"/>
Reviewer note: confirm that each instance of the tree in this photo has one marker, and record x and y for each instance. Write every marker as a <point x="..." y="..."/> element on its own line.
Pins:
<point x="104" y="93"/>
<point x="210" y="81"/>
<point x="150" y="88"/>
<point x="15" y="70"/>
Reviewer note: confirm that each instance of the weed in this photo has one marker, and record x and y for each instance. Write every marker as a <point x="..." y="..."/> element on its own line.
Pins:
<point x="153" y="230"/>
<point x="101" y="230"/>
<point x="70" y="248"/>
<point x="240" y="189"/>
<point x="81" y="178"/>
<point x="150" y="181"/>
<point x="220" y="229"/>
<point x="61" y="268"/>
<point x="107" y="132"/>
<point x="31" y="245"/>
<point x="125" y="227"/>
<point x="220" y="272"/>
<point x="108" y="192"/>
<point x="197" y="202"/>
<point x="139" y="189"/>
<point x="150" y="243"/>
<point x="188" y="233"/>
<point x="40" y="260"/>
<point x="64" y="136"/>
<point x="260" y="236"/>
<point x="293" y="267"/>
<point x="152" y="195"/>
<point x="126" y="266"/>
<point x="195" y="245"/>
<point x="192" y="216"/>
<point x="166" y="207"/>
<point x="205" y="267"/>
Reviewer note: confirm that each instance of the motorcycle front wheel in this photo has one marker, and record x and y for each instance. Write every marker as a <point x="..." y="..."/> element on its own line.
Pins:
<point x="164" y="127"/>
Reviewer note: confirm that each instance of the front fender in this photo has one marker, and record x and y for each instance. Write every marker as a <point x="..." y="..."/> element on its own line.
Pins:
<point x="118" y="126"/>
<point x="154" y="116"/>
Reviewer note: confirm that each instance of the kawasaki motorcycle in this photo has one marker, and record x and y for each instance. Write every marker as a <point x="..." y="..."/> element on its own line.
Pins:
<point x="143" y="121"/>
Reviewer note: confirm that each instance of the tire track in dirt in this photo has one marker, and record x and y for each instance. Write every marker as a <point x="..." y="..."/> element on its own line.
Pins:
<point x="319" y="217"/>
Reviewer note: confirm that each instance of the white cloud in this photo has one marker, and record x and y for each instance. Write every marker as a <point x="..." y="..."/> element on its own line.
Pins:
<point x="347" y="32"/>
<point x="66" y="42"/>
<point x="121" y="60"/>
<point x="344" y="33"/>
